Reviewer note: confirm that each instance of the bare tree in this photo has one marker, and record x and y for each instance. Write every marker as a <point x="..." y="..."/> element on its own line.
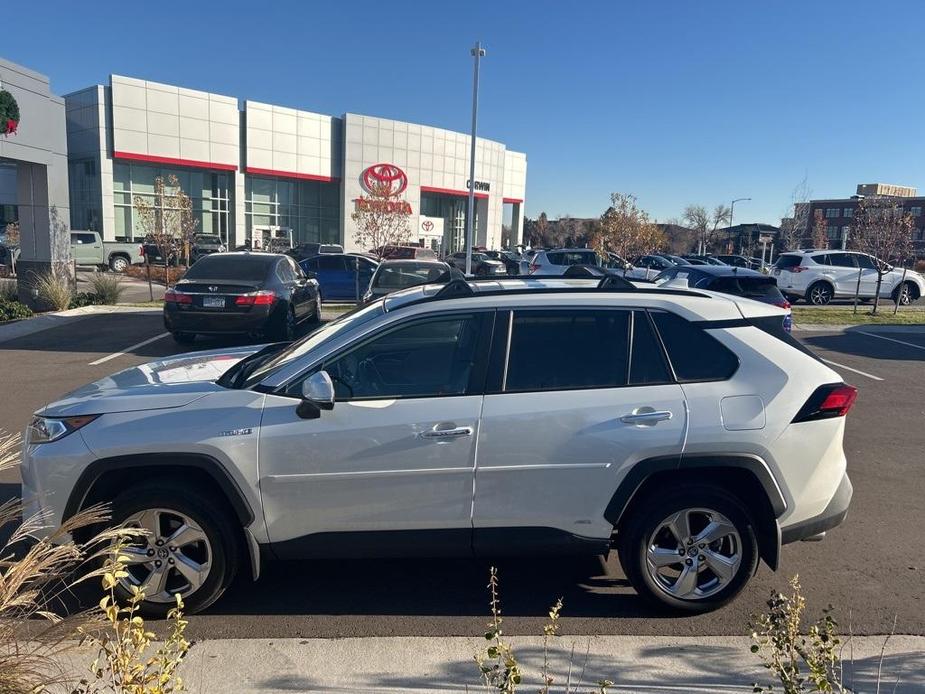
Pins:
<point x="793" y="229"/>
<point x="382" y="219"/>
<point x="706" y="224"/>
<point x="11" y="241"/>
<point x="882" y="229"/>
<point x="626" y="230"/>
<point x="167" y="220"/>
<point x="820" y="231"/>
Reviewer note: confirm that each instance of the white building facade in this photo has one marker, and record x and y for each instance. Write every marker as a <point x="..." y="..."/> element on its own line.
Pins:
<point x="256" y="170"/>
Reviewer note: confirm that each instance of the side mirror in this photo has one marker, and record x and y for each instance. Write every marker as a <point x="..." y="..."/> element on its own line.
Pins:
<point x="317" y="395"/>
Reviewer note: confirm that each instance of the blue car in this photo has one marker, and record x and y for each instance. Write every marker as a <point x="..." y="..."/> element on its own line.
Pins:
<point x="341" y="276"/>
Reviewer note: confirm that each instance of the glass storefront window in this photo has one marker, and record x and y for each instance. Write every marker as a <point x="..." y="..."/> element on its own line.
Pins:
<point x="209" y="193"/>
<point x="311" y="209"/>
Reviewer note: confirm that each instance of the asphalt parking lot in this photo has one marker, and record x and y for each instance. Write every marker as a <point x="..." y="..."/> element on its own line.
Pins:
<point x="871" y="568"/>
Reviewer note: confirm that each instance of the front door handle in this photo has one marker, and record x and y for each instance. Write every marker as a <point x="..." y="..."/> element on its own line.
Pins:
<point x="646" y="415"/>
<point x="445" y="434"/>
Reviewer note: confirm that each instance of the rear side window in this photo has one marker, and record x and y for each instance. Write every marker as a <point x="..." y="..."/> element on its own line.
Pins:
<point x="787" y="261"/>
<point x="565" y="350"/>
<point x="694" y="355"/>
<point x="647" y="362"/>
<point x="842" y="260"/>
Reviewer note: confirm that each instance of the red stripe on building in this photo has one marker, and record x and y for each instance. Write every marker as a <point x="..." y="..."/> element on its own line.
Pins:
<point x="289" y="174"/>
<point x="173" y="161"/>
<point x="450" y="191"/>
<point x="512" y="200"/>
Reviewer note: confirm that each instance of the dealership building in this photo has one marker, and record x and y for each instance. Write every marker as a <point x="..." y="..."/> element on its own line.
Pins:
<point x="256" y="171"/>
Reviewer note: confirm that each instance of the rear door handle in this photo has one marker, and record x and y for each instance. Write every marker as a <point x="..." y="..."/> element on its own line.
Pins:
<point x="648" y="417"/>
<point x="445" y="434"/>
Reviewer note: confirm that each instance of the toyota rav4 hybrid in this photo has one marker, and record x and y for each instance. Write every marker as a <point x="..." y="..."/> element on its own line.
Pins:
<point x="820" y="276"/>
<point x="487" y="418"/>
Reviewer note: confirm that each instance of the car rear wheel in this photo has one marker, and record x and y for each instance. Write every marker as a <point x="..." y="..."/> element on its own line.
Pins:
<point x="819" y="293"/>
<point x="118" y="264"/>
<point x="189" y="549"/>
<point x="692" y="549"/>
<point x="285" y="324"/>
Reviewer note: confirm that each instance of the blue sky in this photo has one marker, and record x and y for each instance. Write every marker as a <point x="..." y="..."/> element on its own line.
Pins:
<point x="676" y="102"/>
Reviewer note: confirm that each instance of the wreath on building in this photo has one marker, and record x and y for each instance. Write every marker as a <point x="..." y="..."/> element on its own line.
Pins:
<point x="9" y="113"/>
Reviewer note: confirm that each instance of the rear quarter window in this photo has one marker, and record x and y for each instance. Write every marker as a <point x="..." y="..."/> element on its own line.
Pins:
<point x="694" y="354"/>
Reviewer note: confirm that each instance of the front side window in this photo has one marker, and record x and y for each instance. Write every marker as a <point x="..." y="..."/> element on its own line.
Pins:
<point x="694" y="355"/>
<point x="567" y="350"/>
<point x="330" y="262"/>
<point x="865" y="261"/>
<point x="423" y="359"/>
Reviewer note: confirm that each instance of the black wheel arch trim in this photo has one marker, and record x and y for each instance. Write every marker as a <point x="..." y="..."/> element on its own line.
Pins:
<point x="199" y="461"/>
<point x="769" y="534"/>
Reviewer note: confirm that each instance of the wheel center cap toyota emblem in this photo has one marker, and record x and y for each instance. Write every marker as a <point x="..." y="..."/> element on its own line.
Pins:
<point x="385" y="179"/>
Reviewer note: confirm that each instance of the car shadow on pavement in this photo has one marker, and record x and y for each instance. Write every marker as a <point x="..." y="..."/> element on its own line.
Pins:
<point x="429" y="587"/>
<point x="853" y="342"/>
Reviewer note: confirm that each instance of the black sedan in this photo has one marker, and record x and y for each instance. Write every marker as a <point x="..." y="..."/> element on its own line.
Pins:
<point x="256" y="294"/>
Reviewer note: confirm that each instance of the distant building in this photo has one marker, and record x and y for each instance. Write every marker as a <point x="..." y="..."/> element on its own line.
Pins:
<point x="838" y="214"/>
<point x="746" y="239"/>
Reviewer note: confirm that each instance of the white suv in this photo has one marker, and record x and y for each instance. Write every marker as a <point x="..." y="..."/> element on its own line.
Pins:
<point x="684" y="428"/>
<point x="819" y="276"/>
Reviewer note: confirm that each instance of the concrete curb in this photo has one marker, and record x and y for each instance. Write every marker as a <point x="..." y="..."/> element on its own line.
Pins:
<point x="643" y="665"/>
<point x="46" y="321"/>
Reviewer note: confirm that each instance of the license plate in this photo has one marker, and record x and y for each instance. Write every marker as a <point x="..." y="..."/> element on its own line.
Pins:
<point x="213" y="301"/>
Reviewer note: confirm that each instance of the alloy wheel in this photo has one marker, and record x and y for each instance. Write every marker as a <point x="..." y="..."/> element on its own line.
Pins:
<point x="694" y="553"/>
<point x="820" y="295"/>
<point x="174" y="557"/>
<point x="905" y="295"/>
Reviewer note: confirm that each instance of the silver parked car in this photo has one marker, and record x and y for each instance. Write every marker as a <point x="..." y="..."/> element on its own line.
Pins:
<point x="392" y="275"/>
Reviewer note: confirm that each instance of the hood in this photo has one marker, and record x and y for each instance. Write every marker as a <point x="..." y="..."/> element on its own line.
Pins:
<point x="172" y="382"/>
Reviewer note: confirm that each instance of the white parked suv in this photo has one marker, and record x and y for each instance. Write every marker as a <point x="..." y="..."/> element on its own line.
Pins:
<point x="818" y="276"/>
<point x="503" y="417"/>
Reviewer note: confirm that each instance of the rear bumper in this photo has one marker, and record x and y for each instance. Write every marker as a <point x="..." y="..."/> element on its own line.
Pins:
<point x="832" y="516"/>
<point x="257" y="319"/>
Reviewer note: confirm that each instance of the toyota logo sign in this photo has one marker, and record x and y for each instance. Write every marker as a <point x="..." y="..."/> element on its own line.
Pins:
<point x="427" y="225"/>
<point x="386" y="178"/>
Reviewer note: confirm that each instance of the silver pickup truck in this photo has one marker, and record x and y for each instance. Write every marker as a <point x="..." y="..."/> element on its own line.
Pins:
<point x="87" y="248"/>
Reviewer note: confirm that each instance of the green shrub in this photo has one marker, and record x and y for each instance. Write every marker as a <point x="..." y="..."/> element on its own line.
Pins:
<point x="13" y="310"/>
<point x="84" y="299"/>
<point x="54" y="291"/>
<point x="107" y="287"/>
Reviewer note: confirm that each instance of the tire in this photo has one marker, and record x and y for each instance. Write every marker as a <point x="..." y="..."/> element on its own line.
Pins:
<point x="315" y="318"/>
<point x="905" y="294"/>
<point x="184" y="338"/>
<point x="118" y="263"/>
<point x="819" y="293"/>
<point x="212" y="547"/>
<point x="647" y="536"/>
<point x="285" y="328"/>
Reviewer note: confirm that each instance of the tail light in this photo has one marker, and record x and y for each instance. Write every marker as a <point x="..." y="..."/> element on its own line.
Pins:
<point x="783" y="303"/>
<point x="828" y="401"/>
<point x="264" y="297"/>
<point x="172" y="296"/>
<point x="533" y="268"/>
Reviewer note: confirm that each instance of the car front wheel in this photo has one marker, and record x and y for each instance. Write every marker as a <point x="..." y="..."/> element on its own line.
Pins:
<point x="906" y="294"/>
<point x="188" y="548"/>
<point x="692" y="550"/>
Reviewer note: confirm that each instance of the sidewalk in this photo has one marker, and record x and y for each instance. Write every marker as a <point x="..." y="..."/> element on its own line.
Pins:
<point x="644" y="665"/>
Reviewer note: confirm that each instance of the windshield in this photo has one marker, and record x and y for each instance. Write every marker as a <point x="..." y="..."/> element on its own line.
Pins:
<point x="347" y="322"/>
<point x="408" y="275"/>
<point x="208" y="239"/>
<point x="250" y="268"/>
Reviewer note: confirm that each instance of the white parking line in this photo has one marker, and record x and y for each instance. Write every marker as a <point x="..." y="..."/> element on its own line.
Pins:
<point x="848" y="368"/>
<point x="891" y="339"/>
<point x="114" y="355"/>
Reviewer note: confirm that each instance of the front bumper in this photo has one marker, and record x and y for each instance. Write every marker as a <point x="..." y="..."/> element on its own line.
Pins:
<point x="204" y="322"/>
<point x="832" y="516"/>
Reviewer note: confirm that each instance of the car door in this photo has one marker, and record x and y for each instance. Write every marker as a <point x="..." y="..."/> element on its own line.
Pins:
<point x="365" y="268"/>
<point x="581" y="396"/>
<point x="388" y="470"/>
<point x="333" y="277"/>
<point x="87" y="248"/>
<point x="867" y="266"/>
<point x="844" y="273"/>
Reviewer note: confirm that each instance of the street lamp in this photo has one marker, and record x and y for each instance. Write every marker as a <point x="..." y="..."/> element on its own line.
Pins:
<point x="477" y="53"/>
<point x="732" y="209"/>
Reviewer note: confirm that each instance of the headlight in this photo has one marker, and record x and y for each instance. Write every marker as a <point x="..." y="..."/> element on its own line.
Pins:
<point x="47" y="429"/>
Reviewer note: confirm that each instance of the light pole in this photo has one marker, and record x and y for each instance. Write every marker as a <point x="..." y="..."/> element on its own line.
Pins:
<point x="732" y="209"/>
<point x="477" y="52"/>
